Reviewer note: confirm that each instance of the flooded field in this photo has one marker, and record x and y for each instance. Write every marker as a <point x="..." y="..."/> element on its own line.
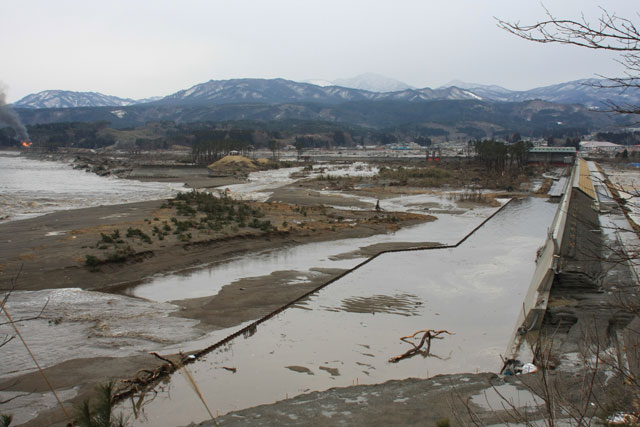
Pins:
<point x="346" y="333"/>
<point x="310" y="259"/>
<point x="30" y="188"/>
<point x="74" y="324"/>
<point x="259" y="184"/>
<point x="342" y="335"/>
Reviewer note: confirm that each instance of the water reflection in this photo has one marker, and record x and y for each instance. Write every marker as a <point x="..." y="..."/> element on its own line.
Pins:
<point x="474" y="291"/>
<point x="402" y="304"/>
<point x="447" y="229"/>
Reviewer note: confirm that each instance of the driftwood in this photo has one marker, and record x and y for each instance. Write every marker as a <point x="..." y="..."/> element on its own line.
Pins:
<point x="164" y="359"/>
<point x="429" y="334"/>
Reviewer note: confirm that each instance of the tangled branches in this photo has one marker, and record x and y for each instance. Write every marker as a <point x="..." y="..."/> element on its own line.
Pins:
<point x="428" y="335"/>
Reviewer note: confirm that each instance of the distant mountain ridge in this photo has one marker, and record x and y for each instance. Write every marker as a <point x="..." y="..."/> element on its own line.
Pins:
<point x="373" y="83"/>
<point x="585" y="91"/>
<point x="278" y="91"/>
<point x="466" y="118"/>
<point x="281" y="91"/>
<point x="72" y="99"/>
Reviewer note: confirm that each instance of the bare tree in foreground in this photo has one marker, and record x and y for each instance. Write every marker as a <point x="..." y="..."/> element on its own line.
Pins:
<point x="609" y="32"/>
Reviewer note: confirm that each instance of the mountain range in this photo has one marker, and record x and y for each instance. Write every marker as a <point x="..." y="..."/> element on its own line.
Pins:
<point x="71" y="99"/>
<point x="281" y="91"/>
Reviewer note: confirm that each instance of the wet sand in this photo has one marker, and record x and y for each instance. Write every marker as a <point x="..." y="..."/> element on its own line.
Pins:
<point x="48" y="252"/>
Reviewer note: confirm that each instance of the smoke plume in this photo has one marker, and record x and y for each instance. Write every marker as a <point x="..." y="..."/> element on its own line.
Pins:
<point x="9" y="117"/>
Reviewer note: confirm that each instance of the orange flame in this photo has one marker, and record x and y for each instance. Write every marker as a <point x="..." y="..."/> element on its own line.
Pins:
<point x="27" y="144"/>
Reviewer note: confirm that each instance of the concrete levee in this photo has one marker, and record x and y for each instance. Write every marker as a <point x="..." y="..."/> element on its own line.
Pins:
<point x="547" y="259"/>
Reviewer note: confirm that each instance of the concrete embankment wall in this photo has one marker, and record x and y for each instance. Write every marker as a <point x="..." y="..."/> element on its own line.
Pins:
<point x="548" y="256"/>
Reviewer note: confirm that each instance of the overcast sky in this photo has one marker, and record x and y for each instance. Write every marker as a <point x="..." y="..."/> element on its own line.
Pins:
<point x="143" y="48"/>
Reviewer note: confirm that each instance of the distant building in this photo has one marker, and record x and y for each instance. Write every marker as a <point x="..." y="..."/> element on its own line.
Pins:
<point x="599" y="146"/>
<point x="552" y="155"/>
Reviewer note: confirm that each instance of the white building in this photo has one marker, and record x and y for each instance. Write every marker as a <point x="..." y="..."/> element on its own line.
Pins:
<point x="602" y="146"/>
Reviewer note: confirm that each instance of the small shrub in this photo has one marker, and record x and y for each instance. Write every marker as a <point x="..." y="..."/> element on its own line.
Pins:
<point x="136" y="232"/>
<point x="266" y="226"/>
<point x="92" y="262"/>
<point x="105" y="238"/>
<point x="5" y="420"/>
<point x="120" y="255"/>
<point x="100" y="413"/>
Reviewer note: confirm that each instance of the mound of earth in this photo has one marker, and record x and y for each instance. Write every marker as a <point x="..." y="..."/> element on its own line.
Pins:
<point x="233" y="165"/>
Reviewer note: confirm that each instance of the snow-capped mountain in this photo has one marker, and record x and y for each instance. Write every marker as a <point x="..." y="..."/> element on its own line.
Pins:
<point x="147" y="100"/>
<point x="69" y="99"/>
<point x="281" y="91"/>
<point x="373" y="83"/>
<point x="286" y="91"/>
<point x="319" y="82"/>
<point x="493" y="92"/>
<point x="586" y="92"/>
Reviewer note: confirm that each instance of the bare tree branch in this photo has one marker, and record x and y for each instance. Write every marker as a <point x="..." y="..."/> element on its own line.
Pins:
<point x="428" y="335"/>
<point x="609" y="32"/>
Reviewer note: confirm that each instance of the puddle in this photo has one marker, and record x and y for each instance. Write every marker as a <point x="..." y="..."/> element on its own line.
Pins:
<point x="506" y="396"/>
<point x="474" y="291"/>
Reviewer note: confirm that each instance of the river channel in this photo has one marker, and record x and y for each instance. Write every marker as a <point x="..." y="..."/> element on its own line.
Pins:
<point x="346" y="333"/>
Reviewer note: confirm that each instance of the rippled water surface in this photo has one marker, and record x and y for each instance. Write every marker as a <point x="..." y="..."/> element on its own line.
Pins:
<point x="346" y="333"/>
<point x="70" y="324"/>
<point x="30" y="188"/>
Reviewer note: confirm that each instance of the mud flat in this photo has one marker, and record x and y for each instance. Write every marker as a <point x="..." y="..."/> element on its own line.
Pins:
<point x="346" y="333"/>
<point x="49" y="252"/>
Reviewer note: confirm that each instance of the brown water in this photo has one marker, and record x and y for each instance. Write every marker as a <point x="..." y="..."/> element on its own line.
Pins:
<point x="207" y="281"/>
<point x="346" y="333"/>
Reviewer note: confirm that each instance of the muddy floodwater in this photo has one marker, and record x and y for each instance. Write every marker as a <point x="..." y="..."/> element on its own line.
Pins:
<point x="346" y="333"/>
<point x="310" y="259"/>
<point x="31" y="188"/>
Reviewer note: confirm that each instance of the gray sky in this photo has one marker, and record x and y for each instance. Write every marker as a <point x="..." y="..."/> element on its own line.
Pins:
<point x="142" y="48"/>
